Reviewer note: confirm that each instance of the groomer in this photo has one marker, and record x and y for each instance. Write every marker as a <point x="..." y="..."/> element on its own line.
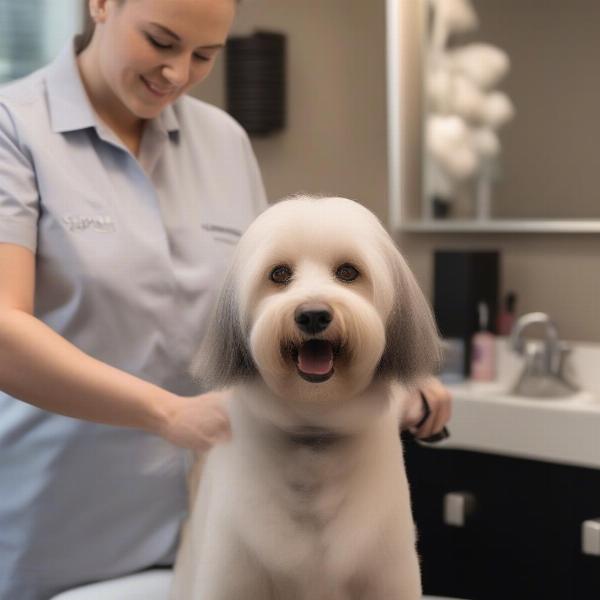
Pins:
<point x="121" y="200"/>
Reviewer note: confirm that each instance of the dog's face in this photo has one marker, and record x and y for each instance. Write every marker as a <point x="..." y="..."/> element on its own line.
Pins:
<point x="318" y="303"/>
<point x="315" y="297"/>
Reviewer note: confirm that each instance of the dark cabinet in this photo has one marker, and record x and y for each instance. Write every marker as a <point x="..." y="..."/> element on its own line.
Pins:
<point x="521" y="538"/>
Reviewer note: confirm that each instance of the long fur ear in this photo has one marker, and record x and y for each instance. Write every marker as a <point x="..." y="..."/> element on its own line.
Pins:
<point x="413" y="347"/>
<point x="224" y="357"/>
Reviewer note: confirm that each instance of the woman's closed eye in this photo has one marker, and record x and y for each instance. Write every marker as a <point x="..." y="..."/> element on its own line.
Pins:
<point x="157" y="43"/>
<point x="169" y="46"/>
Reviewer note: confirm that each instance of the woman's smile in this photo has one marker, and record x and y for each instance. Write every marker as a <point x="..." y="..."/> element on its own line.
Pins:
<point x="158" y="90"/>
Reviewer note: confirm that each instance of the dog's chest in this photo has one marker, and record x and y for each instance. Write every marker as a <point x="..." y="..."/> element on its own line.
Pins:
<point x="314" y="482"/>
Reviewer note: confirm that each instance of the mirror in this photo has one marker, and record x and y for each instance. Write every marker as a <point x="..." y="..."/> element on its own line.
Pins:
<point x="515" y="84"/>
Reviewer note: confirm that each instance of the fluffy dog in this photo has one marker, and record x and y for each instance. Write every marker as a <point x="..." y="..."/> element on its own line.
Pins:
<point x="318" y="318"/>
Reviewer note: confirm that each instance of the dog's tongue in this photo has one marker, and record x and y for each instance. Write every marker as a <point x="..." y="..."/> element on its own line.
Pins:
<point x="315" y="357"/>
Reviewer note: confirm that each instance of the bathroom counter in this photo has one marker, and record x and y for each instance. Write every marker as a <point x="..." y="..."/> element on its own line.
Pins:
<point x="486" y="418"/>
<point x="500" y="506"/>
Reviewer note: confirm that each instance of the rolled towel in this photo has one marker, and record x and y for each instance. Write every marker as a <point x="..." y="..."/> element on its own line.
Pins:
<point x="497" y="110"/>
<point x="448" y="139"/>
<point x="484" y="64"/>
<point x="457" y="16"/>
<point x="486" y="142"/>
<point x="466" y="99"/>
<point x="449" y="17"/>
<point x="451" y="93"/>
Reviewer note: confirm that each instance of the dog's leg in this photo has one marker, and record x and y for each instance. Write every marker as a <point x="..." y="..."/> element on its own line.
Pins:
<point x="217" y="566"/>
<point x="231" y="573"/>
<point x="391" y="569"/>
<point x="398" y="580"/>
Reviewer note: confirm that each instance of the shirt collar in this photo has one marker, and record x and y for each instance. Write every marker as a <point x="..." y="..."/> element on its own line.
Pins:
<point x="70" y="107"/>
<point x="169" y="119"/>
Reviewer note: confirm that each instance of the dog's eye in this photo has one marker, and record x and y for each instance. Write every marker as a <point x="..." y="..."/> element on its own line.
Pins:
<point x="281" y="274"/>
<point x="347" y="272"/>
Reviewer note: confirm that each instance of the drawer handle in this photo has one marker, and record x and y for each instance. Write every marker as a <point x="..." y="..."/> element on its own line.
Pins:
<point x="457" y="508"/>
<point x="590" y="537"/>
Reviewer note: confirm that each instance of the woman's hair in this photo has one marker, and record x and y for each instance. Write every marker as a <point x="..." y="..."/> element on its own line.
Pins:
<point x="83" y="40"/>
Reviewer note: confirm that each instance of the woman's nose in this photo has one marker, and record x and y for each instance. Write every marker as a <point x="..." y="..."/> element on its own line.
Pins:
<point x="177" y="70"/>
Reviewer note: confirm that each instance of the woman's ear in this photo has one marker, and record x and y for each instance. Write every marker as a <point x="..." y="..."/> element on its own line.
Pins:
<point x="98" y="10"/>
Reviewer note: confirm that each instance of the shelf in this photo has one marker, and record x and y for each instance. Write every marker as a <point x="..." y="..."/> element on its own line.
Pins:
<point x="503" y="226"/>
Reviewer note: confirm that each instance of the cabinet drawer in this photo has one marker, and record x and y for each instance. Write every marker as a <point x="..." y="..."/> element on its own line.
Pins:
<point x="523" y="538"/>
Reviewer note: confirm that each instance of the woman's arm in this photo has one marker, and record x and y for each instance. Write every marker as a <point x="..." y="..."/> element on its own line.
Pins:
<point x="40" y="367"/>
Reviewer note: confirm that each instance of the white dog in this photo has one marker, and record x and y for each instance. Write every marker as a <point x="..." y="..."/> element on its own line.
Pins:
<point x="318" y="315"/>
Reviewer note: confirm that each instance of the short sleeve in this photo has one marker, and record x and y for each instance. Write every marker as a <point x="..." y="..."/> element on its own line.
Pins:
<point x="19" y="196"/>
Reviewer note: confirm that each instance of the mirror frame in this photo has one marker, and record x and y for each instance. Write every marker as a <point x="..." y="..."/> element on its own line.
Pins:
<point x="405" y="28"/>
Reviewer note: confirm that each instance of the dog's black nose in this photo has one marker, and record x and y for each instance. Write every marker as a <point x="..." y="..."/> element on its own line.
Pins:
<point x="313" y="318"/>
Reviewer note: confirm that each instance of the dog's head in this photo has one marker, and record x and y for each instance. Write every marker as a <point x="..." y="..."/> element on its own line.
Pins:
<point x="318" y="303"/>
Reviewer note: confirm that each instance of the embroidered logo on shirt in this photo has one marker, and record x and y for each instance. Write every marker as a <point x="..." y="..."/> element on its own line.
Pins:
<point x="221" y="229"/>
<point x="101" y="223"/>
<point x="229" y="235"/>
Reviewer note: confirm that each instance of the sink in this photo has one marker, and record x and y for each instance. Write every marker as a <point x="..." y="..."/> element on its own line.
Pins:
<point x="486" y="417"/>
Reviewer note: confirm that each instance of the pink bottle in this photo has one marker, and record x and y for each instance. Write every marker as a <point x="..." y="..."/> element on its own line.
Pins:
<point x="483" y="348"/>
<point x="506" y="314"/>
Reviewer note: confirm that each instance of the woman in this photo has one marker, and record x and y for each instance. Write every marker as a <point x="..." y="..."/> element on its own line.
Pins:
<point x="120" y="202"/>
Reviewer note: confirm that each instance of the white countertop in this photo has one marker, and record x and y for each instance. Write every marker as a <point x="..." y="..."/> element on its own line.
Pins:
<point x="486" y="418"/>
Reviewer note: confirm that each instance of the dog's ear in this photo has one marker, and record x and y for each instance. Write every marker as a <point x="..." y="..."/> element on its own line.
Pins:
<point x="224" y="357"/>
<point x="413" y="347"/>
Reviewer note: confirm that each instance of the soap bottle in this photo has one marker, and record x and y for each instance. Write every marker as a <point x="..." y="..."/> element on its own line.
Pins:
<point x="483" y="348"/>
<point x="506" y="315"/>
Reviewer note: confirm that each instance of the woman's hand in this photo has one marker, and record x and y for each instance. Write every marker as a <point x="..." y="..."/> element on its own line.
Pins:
<point x="196" y="422"/>
<point x="430" y="394"/>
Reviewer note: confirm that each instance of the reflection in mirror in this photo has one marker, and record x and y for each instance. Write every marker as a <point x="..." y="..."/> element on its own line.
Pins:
<point x="464" y="112"/>
<point x="511" y="127"/>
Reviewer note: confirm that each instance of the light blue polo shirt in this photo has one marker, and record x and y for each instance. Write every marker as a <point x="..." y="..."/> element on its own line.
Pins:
<point x="129" y="256"/>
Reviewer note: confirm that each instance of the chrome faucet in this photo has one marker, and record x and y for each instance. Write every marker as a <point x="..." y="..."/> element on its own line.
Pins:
<point x="543" y="375"/>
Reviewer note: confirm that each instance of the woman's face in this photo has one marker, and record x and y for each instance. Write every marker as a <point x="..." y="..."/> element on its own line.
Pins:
<point x="152" y="51"/>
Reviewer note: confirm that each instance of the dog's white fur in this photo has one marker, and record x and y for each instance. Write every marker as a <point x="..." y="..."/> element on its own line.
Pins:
<point x="309" y="500"/>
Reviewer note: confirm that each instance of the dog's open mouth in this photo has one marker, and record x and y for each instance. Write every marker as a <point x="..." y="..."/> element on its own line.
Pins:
<point x="314" y="360"/>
